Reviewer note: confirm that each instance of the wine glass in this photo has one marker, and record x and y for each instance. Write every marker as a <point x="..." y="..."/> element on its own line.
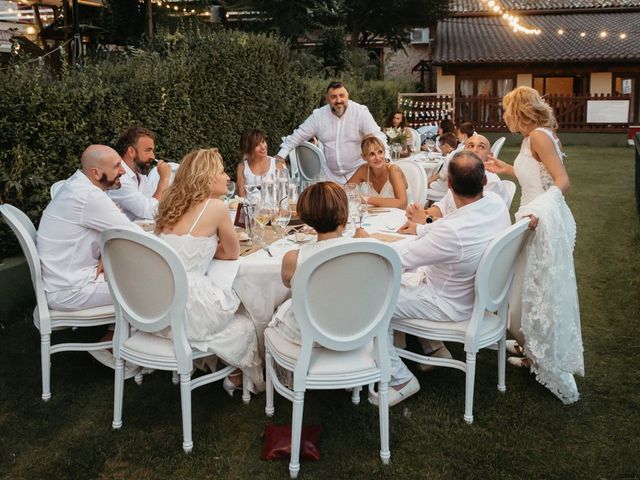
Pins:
<point x="264" y="212"/>
<point x="366" y="191"/>
<point x="353" y="196"/>
<point x="431" y="145"/>
<point x="363" y="208"/>
<point x="281" y="215"/>
<point x="396" y="148"/>
<point x="253" y="193"/>
<point x="231" y="190"/>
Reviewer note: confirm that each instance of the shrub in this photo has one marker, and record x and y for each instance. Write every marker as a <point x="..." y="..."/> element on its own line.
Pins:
<point x="195" y="89"/>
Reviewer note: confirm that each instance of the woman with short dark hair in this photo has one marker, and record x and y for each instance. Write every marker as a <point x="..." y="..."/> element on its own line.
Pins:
<point x="256" y="162"/>
<point x="325" y="207"/>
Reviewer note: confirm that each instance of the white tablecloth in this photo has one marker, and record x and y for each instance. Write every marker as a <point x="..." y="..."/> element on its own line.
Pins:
<point x="259" y="284"/>
<point x="429" y="162"/>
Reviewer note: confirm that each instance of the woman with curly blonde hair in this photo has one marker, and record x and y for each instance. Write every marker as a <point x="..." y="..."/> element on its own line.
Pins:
<point x="544" y="310"/>
<point x="195" y="222"/>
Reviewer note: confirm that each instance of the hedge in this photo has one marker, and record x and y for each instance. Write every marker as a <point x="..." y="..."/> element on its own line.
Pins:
<point x="196" y="89"/>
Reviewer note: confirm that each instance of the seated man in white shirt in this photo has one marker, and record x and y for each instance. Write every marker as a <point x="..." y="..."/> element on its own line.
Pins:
<point x="340" y="125"/>
<point x="479" y="144"/>
<point x="136" y="198"/>
<point x="68" y="236"/>
<point x="442" y="289"/>
<point x="438" y="181"/>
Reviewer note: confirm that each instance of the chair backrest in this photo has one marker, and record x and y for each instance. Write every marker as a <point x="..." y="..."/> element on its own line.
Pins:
<point x="24" y="230"/>
<point x="310" y="160"/>
<point x="497" y="146"/>
<point x="415" y="137"/>
<point x="416" y="179"/>
<point x="293" y="166"/>
<point x="148" y="283"/>
<point x="511" y="189"/>
<point x="55" y="188"/>
<point x="345" y="295"/>
<point x="495" y="273"/>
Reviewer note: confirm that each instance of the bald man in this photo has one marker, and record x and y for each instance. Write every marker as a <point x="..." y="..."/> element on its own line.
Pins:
<point x="69" y="233"/>
<point x="480" y="145"/>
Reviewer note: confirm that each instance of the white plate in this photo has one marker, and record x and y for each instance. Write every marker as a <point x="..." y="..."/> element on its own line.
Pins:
<point x="306" y="239"/>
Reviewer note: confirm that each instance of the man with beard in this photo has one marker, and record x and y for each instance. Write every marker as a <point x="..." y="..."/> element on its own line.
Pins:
<point x="137" y="198"/>
<point x="340" y="125"/>
<point x="68" y="238"/>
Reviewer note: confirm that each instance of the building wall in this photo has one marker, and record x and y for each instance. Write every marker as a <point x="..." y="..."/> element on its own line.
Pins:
<point x="524" y="80"/>
<point x="445" y="83"/>
<point x="399" y="63"/>
<point x="600" y="83"/>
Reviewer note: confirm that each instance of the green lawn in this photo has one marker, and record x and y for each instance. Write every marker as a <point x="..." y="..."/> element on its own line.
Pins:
<point x="525" y="433"/>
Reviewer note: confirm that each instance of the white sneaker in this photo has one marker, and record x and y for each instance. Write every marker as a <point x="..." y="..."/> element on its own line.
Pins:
<point x="397" y="396"/>
<point x="442" y="352"/>
<point x="106" y="358"/>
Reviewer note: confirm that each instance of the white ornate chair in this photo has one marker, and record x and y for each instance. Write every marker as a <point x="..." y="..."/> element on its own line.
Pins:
<point x="488" y="323"/>
<point x="341" y="310"/>
<point x="310" y="161"/>
<point x="497" y="146"/>
<point x="45" y="319"/>
<point x="416" y="179"/>
<point x="511" y="189"/>
<point x="149" y="286"/>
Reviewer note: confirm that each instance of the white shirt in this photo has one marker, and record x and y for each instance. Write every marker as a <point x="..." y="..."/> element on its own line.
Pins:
<point x="448" y="205"/>
<point x="133" y="195"/>
<point x="451" y="252"/>
<point x="68" y="238"/>
<point x="341" y="137"/>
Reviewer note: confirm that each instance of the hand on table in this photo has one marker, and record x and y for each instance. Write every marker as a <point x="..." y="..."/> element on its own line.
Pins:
<point x="361" y="233"/>
<point x="409" y="228"/>
<point x="415" y="213"/>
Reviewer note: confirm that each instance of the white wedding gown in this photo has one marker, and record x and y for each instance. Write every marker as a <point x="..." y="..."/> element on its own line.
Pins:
<point x="545" y="287"/>
<point x="212" y="324"/>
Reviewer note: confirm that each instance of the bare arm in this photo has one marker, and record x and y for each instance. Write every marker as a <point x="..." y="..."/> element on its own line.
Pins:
<point x="228" y="245"/>
<point x="289" y="262"/>
<point x="544" y="150"/>
<point x="240" y="179"/>
<point x="359" y="175"/>
<point x="496" y="165"/>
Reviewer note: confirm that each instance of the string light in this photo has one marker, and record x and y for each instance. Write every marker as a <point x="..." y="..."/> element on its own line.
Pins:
<point x="623" y="36"/>
<point x="512" y="20"/>
<point x="603" y="34"/>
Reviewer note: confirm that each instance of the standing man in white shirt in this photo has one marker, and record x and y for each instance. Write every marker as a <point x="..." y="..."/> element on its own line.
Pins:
<point x="340" y="125"/>
<point x="136" y="198"/>
<point x="68" y="238"/>
<point x="447" y="259"/>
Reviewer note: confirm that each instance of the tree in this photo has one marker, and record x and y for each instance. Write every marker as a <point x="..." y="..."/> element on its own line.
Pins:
<point x="363" y="20"/>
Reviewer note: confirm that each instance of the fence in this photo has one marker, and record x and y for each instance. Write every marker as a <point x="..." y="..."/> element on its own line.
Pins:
<point x="571" y="112"/>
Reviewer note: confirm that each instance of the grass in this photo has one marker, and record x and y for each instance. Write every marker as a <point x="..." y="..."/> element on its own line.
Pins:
<point x="525" y="433"/>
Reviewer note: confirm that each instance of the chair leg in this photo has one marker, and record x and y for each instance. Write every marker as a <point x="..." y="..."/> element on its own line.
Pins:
<point x="174" y="378"/>
<point x="45" y="361"/>
<point x="138" y="378"/>
<point x="383" y="410"/>
<point x="502" y="349"/>
<point x="355" y="395"/>
<point x="118" y="393"/>
<point x="269" y="408"/>
<point x="470" y="382"/>
<point x="246" y="393"/>
<point x="185" y="399"/>
<point x="296" y="433"/>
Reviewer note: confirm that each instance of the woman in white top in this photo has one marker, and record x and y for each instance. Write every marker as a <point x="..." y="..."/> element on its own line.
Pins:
<point x="387" y="180"/>
<point x="256" y="162"/>
<point x="323" y="206"/>
<point x="544" y="312"/>
<point x="195" y="223"/>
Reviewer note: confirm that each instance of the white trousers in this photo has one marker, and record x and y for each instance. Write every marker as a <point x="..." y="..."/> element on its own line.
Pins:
<point x="411" y="304"/>
<point x="94" y="294"/>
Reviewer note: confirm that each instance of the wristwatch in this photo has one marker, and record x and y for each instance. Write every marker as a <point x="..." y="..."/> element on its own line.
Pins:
<point x="429" y="219"/>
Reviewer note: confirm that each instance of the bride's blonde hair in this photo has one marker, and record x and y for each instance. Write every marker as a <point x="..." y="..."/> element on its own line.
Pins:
<point x="525" y="107"/>
<point x="191" y="186"/>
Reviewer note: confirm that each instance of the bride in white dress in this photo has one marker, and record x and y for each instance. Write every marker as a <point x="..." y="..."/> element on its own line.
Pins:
<point x="544" y="311"/>
<point x="196" y="224"/>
